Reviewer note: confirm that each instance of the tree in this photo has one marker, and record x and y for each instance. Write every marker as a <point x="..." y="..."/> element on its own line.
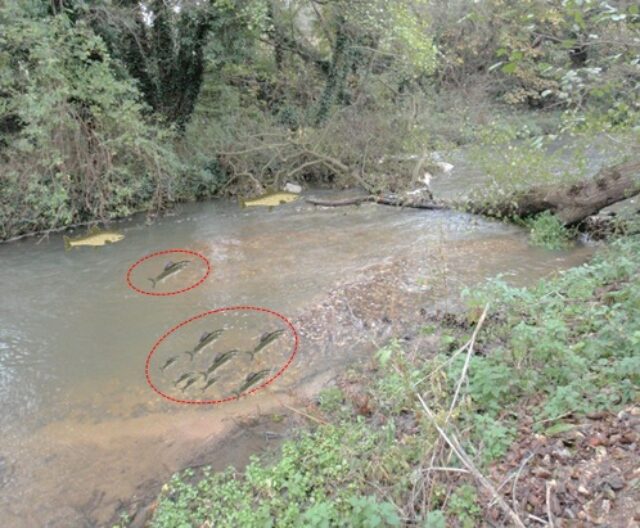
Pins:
<point x="74" y="142"/>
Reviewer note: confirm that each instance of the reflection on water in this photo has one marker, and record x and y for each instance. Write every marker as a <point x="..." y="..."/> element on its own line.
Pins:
<point x="80" y="427"/>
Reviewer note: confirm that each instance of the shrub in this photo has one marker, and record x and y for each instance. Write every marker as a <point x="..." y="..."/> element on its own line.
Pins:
<point x="79" y="147"/>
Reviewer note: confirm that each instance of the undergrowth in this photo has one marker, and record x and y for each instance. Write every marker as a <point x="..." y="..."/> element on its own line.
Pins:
<point x="548" y="231"/>
<point x="566" y="345"/>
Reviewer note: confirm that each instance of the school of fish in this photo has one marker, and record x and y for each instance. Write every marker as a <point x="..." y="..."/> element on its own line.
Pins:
<point x="189" y="378"/>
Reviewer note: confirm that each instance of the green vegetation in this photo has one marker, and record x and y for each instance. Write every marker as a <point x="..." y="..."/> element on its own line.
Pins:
<point x="564" y="346"/>
<point x="115" y="106"/>
<point x="74" y="144"/>
<point x="548" y="231"/>
<point x="310" y="484"/>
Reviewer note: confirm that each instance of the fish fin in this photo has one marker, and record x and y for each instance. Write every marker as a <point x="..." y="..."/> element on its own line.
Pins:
<point x="168" y="265"/>
<point x="67" y="243"/>
<point x="204" y="336"/>
<point x="190" y="354"/>
<point x="153" y="281"/>
<point x="94" y="230"/>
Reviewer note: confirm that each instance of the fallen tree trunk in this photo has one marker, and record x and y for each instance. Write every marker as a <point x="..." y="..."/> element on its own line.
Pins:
<point x="571" y="204"/>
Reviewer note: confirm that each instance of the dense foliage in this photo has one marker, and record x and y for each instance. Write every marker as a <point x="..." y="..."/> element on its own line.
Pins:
<point x="131" y="105"/>
<point x="74" y="142"/>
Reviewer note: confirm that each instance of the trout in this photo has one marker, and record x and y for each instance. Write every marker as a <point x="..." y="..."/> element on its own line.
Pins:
<point x="95" y="237"/>
<point x="205" y="340"/>
<point x="171" y="268"/>
<point x="220" y="360"/>
<point x="251" y="380"/>
<point x="168" y="363"/>
<point x="265" y="340"/>
<point x="270" y="200"/>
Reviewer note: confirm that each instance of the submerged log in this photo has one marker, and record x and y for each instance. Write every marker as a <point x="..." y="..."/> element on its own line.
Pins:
<point x="572" y="203"/>
<point x="384" y="199"/>
<point x="339" y="203"/>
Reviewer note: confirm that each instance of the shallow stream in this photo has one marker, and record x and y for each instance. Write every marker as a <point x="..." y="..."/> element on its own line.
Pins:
<point x="82" y="432"/>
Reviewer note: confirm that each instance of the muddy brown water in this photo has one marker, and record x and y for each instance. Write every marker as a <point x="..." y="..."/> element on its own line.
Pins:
<point x="82" y="432"/>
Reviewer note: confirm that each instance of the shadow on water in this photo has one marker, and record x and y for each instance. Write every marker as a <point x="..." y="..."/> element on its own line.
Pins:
<point x="82" y="431"/>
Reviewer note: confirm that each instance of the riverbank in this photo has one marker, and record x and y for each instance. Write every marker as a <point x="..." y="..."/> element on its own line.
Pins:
<point x="522" y="408"/>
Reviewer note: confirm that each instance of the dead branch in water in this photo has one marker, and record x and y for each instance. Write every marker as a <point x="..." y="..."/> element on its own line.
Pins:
<point x="388" y="199"/>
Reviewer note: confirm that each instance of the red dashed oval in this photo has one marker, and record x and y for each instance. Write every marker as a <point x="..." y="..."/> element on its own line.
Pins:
<point x="184" y="323"/>
<point x="168" y="252"/>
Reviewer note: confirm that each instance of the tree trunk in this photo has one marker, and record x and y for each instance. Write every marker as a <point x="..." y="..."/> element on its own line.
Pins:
<point x="571" y="204"/>
<point x="384" y="199"/>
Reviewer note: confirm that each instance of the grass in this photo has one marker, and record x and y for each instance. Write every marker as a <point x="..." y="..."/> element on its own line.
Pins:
<point x="548" y="231"/>
<point x="566" y="345"/>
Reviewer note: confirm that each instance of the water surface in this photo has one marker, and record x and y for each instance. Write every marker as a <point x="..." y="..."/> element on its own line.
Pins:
<point x="82" y="431"/>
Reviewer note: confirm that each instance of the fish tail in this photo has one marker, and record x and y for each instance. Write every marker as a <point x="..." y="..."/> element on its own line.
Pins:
<point x="67" y="243"/>
<point x="153" y="282"/>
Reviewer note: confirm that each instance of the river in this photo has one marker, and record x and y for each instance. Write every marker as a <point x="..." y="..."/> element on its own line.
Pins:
<point x="83" y="433"/>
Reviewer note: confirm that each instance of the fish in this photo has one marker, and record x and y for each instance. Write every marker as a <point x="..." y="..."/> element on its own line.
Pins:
<point x="265" y="340"/>
<point x="171" y="268"/>
<point x="95" y="237"/>
<point x="168" y="363"/>
<point x="271" y="199"/>
<point x="220" y="360"/>
<point x="181" y="378"/>
<point x="209" y="383"/>
<point x="251" y="380"/>
<point x="189" y="382"/>
<point x="205" y="340"/>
